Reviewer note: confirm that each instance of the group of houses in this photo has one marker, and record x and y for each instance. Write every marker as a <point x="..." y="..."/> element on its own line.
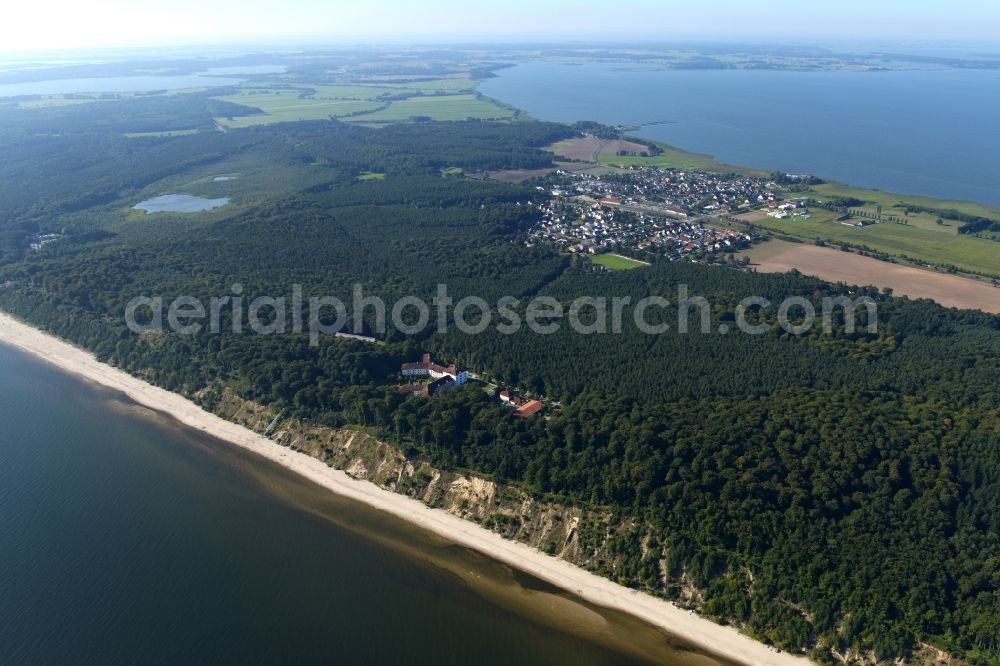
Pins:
<point x="41" y="240"/>
<point x="680" y="193"/>
<point x="786" y="209"/>
<point x="645" y="209"/>
<point x="583" y="226"/>
<point x="447" y="377"/>
<point x="522" y="408"/>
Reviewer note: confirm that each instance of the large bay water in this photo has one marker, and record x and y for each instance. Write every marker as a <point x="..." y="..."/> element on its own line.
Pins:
<point x="916" y="132"/>
<point x="115" y="84"/>
<point x="127" y="538"/>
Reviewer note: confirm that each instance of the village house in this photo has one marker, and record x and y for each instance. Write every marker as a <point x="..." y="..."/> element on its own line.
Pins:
<point x="509" y="399"/>
<point x="521" y="408"/>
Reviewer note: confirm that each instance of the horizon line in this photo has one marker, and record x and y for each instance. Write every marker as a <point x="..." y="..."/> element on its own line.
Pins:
<point x="580" y="40"/>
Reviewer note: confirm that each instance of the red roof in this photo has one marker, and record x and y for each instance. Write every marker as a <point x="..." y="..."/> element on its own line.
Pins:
<point x="529" y="408"/>
<point x="427" y="364"/>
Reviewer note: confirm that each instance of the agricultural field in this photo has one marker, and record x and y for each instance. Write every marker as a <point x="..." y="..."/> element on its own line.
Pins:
<point x="437" y="99"/>
<point x="432" y="86"/>
<point x="72" y="99"/>
<point x="347" y="91"/>
<point x="51" y="101"/>
<point x="583" y="148"/>
<point x="616" y="262"/>
<point x="437" y="107"/>
<point x="927" y="243"/>
<point x="282" y="104"/>
<point x="518" y="175"/>
<point x="776" y="256"/>
<point x="593" y="149"/>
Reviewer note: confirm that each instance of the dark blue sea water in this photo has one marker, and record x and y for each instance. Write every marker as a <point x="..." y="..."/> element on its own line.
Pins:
<point x="128" y="539"/>
<point x="934" y="133"/>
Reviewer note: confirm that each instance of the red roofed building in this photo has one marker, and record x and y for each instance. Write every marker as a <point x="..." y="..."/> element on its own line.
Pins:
<point x="529" y="408"/>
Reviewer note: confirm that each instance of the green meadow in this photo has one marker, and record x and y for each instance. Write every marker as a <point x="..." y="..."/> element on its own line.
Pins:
<point x="72" y="99"/>
<point x="673" y="158"/>
<point x="894" y="204"/>
<point x="280" y="104"/>
<point x="437" y="107"/>
<point x="437" y="99"/>
<point x="432" y="86"/>
<point x="616" y="262"/>
<point x="51" y="101"/>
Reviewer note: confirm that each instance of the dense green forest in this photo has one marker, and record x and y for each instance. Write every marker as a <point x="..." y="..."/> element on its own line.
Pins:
<point x="826" y="491"/>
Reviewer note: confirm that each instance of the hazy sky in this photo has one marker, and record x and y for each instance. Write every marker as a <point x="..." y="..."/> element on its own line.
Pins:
<point x="44" y="24"/>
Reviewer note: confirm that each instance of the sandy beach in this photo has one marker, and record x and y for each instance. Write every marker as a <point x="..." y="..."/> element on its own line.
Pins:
<point x="723" y="641"/>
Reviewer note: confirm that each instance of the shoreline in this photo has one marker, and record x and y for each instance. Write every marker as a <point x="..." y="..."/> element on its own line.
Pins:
<point x="715" y="639"/>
